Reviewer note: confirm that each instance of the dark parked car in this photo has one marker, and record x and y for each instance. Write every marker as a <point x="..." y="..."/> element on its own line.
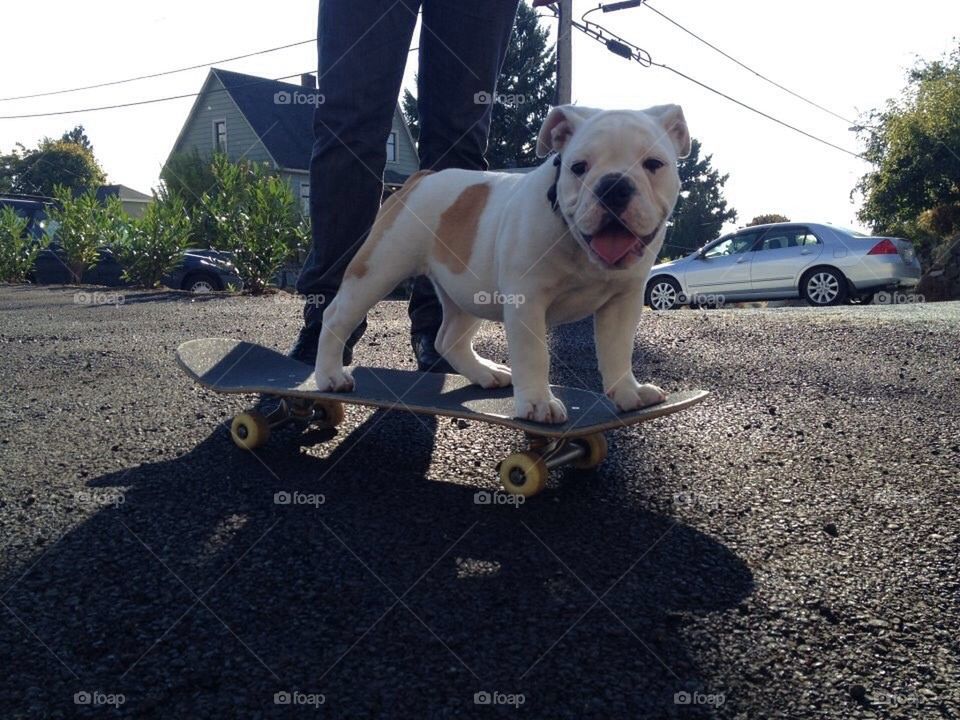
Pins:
<point x="198" y="271"/>
<point x="31" y="207"/>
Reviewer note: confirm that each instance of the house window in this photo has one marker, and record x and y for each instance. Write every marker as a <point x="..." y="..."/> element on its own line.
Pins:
<point x="220" y="136"/>
<point x="392" y="147"/>
<point x="305" y="198"/>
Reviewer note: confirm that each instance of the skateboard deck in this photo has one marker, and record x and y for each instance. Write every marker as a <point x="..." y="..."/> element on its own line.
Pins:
<point x="237" y="367"/>
<point x="233" y="366"/>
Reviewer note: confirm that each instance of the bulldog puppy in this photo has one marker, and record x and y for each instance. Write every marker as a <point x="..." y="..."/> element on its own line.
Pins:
<point x="575" y="237"/>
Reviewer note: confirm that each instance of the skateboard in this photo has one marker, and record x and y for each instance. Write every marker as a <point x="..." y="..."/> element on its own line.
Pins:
<point x="233" y="366"/>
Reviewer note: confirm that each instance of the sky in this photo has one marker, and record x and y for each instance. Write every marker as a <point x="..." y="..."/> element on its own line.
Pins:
<point x="849" y="56"/>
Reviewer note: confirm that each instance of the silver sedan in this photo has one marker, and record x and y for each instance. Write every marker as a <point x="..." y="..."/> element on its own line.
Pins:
<point x="821" y="264"/>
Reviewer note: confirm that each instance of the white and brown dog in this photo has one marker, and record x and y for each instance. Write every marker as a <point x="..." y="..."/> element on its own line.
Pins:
<point x="575" y="237"/>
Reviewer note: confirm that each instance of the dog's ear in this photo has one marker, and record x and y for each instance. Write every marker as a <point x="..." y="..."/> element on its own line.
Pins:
<point x="559" y="126"/>
<point x="672" y="119"/>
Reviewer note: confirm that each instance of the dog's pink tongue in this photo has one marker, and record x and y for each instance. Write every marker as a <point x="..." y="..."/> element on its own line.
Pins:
<point x="613" y="245"/>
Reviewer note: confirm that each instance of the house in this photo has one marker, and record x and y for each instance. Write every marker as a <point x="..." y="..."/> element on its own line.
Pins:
<point x="134" y="202"/>
<point x="261" y="120"/>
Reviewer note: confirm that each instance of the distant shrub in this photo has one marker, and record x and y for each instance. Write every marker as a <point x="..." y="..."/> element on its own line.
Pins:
<point x="17" y="250"/>
<point x="155" y="243"/>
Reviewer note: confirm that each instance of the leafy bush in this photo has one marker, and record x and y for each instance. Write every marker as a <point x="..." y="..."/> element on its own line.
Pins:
<point x="154" y="244"/>
<point x="17" y="250"/>
<point x="190" y="176"/>
<point x="81" y="224"/>
<point x="84" y="225"/>
<point x="255" y="218"/>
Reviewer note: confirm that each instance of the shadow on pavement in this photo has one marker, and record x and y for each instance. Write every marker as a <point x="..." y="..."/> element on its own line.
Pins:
<point x="205" y="585"/>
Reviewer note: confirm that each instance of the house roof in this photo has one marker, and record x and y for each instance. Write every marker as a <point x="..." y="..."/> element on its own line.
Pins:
<point x="123" y="192"/>
<point x="287" y="135"/>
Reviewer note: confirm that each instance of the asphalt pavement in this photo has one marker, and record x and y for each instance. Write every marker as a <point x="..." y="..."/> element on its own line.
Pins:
<point x="787" y="549"/>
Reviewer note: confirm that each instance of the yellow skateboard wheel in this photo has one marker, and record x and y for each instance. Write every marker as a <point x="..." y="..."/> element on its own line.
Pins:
<point x="250" y="430"/>
<point x="596" y="445"/>
<point x="524" y="474"/>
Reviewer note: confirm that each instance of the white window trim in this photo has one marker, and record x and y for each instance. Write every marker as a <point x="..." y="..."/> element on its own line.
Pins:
<point x="213" y="130"/>
<point x="305" y="199"/>
<point x="396" y="146"/>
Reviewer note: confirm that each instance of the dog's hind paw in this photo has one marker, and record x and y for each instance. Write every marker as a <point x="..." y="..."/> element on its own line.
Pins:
<point x="339" y="380"/>
<point x="547" y="409"/>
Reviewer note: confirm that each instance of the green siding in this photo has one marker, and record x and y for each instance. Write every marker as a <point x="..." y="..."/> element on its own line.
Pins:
<point x="215" y="103"/>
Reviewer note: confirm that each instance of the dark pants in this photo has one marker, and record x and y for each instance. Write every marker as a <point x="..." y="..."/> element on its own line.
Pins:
<point x="363" y="46"/>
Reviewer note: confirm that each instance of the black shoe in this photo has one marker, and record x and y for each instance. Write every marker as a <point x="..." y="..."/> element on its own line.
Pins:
<point x="428" y="359"/>
<point x="305" y="347"/>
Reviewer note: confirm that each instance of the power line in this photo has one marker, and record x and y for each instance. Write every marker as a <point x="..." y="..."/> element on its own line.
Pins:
<point x="748" y="68"/>
<point x="142" y="102"/>
<point x="152" y="101"/>
<point x="628" y="50"/>
<point x="761" y="112"/>
<point x="158" y="74"/>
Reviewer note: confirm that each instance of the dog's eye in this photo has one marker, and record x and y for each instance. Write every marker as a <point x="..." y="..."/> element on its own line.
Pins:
<point x="579" y="168"/>
<point x="652" y="164"/>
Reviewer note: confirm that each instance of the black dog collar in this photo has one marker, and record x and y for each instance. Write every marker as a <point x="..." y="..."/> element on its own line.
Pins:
<point x="552" y="192"/>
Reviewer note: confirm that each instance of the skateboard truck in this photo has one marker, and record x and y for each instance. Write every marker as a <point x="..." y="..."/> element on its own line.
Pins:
<point x="525" y="473"/>
<point x="251" y="429"/>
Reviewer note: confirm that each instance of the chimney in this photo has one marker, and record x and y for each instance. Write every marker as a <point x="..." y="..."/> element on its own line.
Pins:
<point x="309" y="81"/>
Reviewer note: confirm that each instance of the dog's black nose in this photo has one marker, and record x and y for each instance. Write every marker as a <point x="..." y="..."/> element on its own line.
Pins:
<point x="614" y="192"/>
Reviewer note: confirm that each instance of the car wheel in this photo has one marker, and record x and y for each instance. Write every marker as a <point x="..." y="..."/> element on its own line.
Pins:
<point x="824" y="286"/>
<point x="200" y="283"/>
<point x="664" y="293"/>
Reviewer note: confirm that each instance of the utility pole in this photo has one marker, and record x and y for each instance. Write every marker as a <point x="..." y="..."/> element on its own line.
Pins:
<point x="565" y="53"/>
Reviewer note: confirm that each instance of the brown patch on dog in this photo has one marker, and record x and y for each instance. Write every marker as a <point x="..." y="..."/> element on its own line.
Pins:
<point x="458" y="227"/>
<point x="387" y="215"/>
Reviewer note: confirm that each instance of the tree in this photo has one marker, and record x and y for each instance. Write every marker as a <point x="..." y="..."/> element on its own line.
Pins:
<point x="38" y="171"/>
<point x="914" y="144"/>
<point x="525" y="90"/>
<point x="78" y="136"/>
<point x="701" y="209"/>
<point x="768" y="218"/>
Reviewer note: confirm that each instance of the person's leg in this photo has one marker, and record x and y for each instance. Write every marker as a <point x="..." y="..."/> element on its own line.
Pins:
<point x="462" y="46"/>
<point x="362" y="50"/>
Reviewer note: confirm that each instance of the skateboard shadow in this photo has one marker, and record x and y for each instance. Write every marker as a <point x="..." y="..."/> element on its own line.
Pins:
<point x="204" y="585"/>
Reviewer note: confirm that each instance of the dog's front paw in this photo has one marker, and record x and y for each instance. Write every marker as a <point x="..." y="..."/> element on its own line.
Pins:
<point x="545" y="408"/>
<point x="635" y="396"/>
<point x="333" y="380"/>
